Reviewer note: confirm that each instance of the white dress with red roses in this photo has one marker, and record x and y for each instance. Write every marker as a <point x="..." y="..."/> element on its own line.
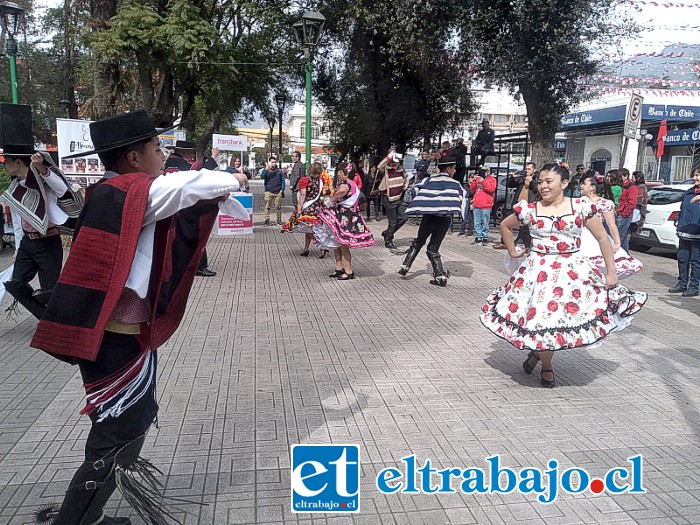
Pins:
<point x="625" y="264"/>
<point x="557" y="299"/>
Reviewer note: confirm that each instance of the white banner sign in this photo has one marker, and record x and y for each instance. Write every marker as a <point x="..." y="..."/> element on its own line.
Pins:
<point x="235" y="223"/>
<point x="73" y="136"/>
<point x="230" y="142"/>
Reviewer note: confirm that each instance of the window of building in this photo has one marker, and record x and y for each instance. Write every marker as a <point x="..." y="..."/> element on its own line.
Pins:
<point x="501" y="119"/>
<point x="520" y="119"/>
<point x="315" y="130"/>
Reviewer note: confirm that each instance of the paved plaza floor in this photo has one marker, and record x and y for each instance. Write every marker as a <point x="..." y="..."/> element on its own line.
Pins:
<point x="272" y="353"/>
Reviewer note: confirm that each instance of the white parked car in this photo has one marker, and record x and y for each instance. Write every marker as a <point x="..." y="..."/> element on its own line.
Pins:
<point x="663" y="209"/>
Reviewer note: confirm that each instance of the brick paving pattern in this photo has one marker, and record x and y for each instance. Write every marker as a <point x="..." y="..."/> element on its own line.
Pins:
<point x="272" y="352"/>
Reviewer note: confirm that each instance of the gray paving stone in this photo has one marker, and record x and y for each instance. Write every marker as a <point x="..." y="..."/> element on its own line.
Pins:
<point x="271" y="353"/>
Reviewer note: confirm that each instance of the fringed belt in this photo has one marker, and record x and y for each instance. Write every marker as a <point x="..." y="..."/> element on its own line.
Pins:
<point x="114" y="394"/>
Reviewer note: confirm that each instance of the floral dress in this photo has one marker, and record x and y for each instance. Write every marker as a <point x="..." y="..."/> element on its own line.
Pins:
<point x="625" y="264"/>
<point x="343" y="225"/>
<point x="305" y="221"/>
<point x="557" y="299"/>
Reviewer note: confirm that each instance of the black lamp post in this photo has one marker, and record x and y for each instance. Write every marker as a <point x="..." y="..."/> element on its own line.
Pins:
<point x="11" y="16"/>
<point x="307" y="32"/>
<point x="271" y="122"/>
<point x="281" y="100"/>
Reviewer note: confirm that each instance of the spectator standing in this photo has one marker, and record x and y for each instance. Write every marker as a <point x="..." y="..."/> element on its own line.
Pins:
<point x="367" y="190"/>
<point x="274" y="187"/>
<point x="298" y="171"/>
<point x="614" y="180"/>
<point x="390" y="184"/>
<point x="422" y="166"/>
<point x="459" y="153"/>
<point x="445" y="151"/>
<point x="483" y="189"/>
<point x="237" y="168"/>
<point x="688" y="231"/>
<point x="642" y="199"/>
<point x="573" y="189"/>
<point x="625" y="207"/>
<point x="183" y="159"/>
<point x="483" y="143"/>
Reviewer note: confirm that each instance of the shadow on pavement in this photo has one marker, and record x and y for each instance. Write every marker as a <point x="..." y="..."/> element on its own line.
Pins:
<point x="575" y="367"/>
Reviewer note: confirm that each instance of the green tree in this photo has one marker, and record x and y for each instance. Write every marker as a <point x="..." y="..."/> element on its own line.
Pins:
<point x="541" y="50"/>
<point x="391" y="77"/>
<point x="204" y="61"/>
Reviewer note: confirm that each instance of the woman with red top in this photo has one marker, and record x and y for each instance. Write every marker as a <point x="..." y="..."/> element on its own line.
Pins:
<point x="309" y="206"/>
<point x="483" y="188"/>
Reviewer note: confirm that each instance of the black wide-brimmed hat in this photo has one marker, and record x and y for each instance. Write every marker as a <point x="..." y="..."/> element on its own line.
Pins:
<point x="120" y="131"/>
<point x="18" y="150"/>
<point x="184" y="144"/>
<point x="447" y="161"/>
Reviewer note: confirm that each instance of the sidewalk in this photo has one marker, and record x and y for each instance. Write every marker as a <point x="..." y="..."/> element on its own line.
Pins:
<point x="272" y="353"/>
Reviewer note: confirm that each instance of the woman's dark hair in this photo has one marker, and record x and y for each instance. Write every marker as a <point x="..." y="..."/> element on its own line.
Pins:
<point x="555" y="168"/>
<point x="615" y="178"/>
<point x="695" y="170"/>
<point x="638" y="177"/>
<point x="112" y="157"/>
<point x="27" y="161"/>
<point x="602" y="188"/>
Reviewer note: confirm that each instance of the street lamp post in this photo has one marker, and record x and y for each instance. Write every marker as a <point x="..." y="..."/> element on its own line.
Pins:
<point x="307" y="32"/>
<point x="11" y="16"/>
<point x="281" y="100"/>
<point x="271" y="122"/>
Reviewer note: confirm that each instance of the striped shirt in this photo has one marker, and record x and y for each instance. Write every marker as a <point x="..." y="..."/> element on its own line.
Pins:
<point x="438" y="195"/>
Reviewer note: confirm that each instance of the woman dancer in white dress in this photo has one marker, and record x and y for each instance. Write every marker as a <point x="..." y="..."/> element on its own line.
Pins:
<point x="557" y="298"/>
<point x="594" y="188"/>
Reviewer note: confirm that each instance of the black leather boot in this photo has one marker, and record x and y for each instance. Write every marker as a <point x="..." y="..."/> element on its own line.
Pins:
<point x="439" y="274"/>
<point x="24" y="295"/>
<point x="411" y="255"/>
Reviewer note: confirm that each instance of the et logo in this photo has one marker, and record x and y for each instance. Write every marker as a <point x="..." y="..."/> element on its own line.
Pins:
<point x="325" y="478"/>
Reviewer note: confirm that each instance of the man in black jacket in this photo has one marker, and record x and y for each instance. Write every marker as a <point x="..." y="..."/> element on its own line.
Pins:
<point x="183" y="159"/>
<point x="483" y="143"/>
<point x="459" y="152"/>
<point x="274" y="189"/>
<point x="298" y="171"/>
<point x="519" y="180"/>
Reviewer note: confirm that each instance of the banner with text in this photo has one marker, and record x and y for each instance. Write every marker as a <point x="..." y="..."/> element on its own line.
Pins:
<point x="230" y="225"/>
<point x="230" y="142"/>
<point x="73" y="136"/>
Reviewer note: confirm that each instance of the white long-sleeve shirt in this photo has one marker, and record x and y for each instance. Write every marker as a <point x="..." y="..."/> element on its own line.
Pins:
<point x="168" y="195"/>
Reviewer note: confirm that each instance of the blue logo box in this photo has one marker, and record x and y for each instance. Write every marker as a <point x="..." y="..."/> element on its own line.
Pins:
<point x="325" y="478"/>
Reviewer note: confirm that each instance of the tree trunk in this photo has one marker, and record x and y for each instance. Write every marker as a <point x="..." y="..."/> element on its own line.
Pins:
<point x="213" y="127"/>
<point x="542" y="132"/>
<point x="69" y="65"/>
<point x="106" y="75"/>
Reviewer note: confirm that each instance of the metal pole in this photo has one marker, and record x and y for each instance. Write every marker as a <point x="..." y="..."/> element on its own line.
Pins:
<point x="308" y="108"/>
<point x="13" y="79"/>
<point x="279" y="152"/>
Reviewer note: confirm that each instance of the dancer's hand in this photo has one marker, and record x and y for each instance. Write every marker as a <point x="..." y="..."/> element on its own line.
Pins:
<point x="38" y="163"/>
<point x="516" y="253"/>
<point x="616" y="247"/>
<point x="611" y="281"/>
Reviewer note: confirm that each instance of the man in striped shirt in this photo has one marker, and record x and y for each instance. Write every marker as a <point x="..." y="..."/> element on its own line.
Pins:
<point x="437" y="199"/>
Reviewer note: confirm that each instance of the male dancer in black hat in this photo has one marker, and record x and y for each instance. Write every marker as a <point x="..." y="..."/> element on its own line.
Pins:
<point x="121" y="295"/>
<point x="183" y="159"/>
<point x="40" y="200"/>
<point x="438" y="197"/>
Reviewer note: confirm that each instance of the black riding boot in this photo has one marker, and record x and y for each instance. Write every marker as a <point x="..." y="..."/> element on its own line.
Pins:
<point x="89" y="491"/>
<point x="411" y="255"/>
<point x="25" y="295"/>
<point x="439" y="274"/>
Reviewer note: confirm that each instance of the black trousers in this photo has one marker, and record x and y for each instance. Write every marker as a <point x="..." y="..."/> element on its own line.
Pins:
<point x="479" y="151"/>
<point x="42" y="256"/>
<point x="114" y="440"/>
<point x="395" y="216"/>
<point x="203" y="262"/>
<point x="434" y="227"/>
